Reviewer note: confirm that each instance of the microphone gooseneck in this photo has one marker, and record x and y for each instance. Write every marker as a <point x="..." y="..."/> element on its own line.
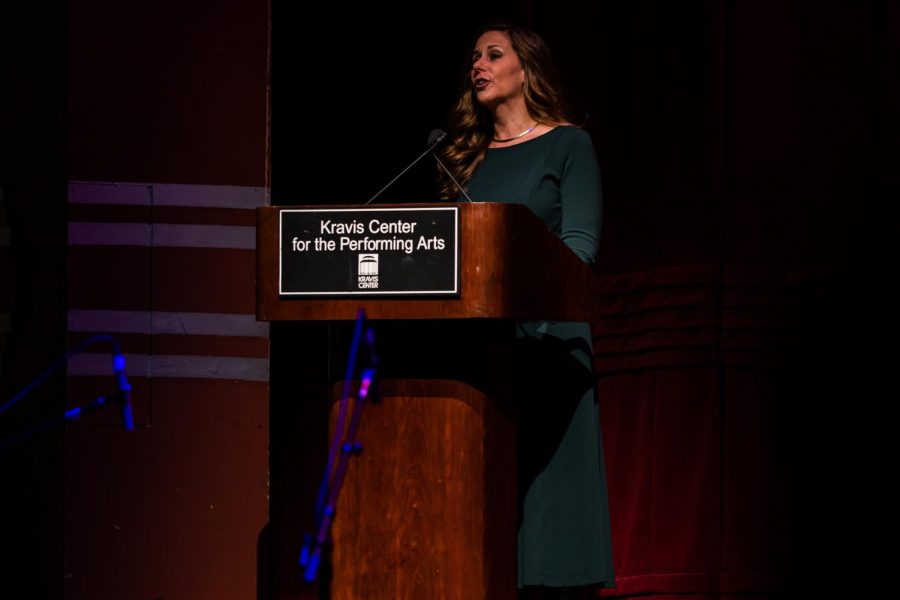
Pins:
<point x="435" y="138"/>
<point x="431" y="146"/>
<point x="452" y="178"/>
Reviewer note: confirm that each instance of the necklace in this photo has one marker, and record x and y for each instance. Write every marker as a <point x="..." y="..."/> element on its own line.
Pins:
<point x="523" y="134"/>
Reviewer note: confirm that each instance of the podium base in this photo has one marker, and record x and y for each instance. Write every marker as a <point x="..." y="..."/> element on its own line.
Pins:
<point x="428" y="507"/>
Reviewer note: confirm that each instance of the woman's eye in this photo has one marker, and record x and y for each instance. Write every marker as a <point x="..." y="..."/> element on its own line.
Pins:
<point x="495" y="55"/>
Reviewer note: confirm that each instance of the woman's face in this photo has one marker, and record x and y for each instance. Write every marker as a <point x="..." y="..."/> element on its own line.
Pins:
<point x="497" y="75"/>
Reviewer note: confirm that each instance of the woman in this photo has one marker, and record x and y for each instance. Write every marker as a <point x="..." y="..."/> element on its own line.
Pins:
<point x="512" y="141"/>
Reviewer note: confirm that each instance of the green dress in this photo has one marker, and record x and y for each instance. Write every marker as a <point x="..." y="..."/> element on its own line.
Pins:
<point x="564" y="532"/>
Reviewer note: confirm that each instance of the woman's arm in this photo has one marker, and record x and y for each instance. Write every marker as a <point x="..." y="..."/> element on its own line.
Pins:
<point x="581" y="198"/>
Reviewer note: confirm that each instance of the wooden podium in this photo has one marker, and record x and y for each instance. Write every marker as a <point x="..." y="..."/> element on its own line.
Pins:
<point x="429" y="510"/>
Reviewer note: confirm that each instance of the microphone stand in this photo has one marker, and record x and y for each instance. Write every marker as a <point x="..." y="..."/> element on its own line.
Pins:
<point x="121" y="397"/>
<point x="311" y="553"/>
<point x="431" y="147"/>
<point x="452" y="178"/>
<point x="69" y="416"/>
<point x="434" y="140"/>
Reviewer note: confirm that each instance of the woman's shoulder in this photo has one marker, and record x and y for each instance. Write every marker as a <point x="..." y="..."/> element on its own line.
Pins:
<point x="574" y="138"/>
<point x="568" y="131"/>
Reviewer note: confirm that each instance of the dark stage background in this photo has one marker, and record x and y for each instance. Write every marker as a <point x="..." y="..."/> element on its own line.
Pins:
<point x="749" y="236"/>
<point x="746" y="345"/>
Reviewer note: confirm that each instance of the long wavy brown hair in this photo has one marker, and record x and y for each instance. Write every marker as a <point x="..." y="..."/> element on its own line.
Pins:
<point x="472" y="126"/>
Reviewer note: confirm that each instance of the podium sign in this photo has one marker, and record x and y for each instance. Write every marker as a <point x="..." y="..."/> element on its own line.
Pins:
<point x="369" y="251"/>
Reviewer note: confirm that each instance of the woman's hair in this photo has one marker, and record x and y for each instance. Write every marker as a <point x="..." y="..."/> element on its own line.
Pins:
<point x="471" y="125"/>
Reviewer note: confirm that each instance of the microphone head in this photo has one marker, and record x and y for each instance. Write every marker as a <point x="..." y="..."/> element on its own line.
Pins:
<point x="436" y="136"/>
<point x="124" y="391"/>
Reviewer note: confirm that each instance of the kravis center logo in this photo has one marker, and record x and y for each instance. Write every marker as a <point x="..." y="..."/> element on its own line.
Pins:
<point x="367" y="271"/>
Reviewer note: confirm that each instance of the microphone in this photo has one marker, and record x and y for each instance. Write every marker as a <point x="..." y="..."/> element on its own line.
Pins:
<point x="440" y="135"/>
<point x="124" y="387"/>
<point x="434" y="139"/>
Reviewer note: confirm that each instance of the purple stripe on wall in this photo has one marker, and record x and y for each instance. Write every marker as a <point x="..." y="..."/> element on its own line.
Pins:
<point x="173" y="366"/>
<point x="94" y="192"/>
<point x="172" y="323"/>
<point x="113" y="213"/>
<point x="109" y="234"/>
<point x="165" y="194"/>
<point x="200" y="345"/>
<point x="212" y="196"/>
<point x="162" y="235"/>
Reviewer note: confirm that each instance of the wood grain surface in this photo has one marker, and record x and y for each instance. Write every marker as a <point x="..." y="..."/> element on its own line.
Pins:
<point x="427" y="510"/>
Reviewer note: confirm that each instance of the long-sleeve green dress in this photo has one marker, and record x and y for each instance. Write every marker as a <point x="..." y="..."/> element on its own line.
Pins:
<point x="564" y="531"/>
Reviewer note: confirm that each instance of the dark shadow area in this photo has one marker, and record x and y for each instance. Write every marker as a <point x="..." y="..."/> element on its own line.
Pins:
<point x="551" y="381"/>
<point x="843" y="386"/>
<point x="32" y="295"/>
<point x="372" y="87"/>
<point x="264" y="564"/>
<point x="298" y="437"/>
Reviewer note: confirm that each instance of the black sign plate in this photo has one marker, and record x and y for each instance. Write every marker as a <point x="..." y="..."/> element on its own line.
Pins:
<point x="369" y="251"/>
